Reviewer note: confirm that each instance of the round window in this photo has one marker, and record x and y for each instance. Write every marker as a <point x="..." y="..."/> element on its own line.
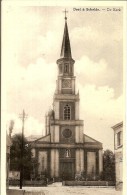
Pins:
<point x="67" y="133"/>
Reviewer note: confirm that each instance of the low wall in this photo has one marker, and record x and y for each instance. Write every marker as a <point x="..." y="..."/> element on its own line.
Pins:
<point x="23" y="192"/>
<point x="88" y="183"/>
<point x="28" y="183"/>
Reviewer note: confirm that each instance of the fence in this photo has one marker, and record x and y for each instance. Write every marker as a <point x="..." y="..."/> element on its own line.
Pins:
<point x="23" y="192"/>
<point x="28" y="183"/>
<point x="88" y="183"/>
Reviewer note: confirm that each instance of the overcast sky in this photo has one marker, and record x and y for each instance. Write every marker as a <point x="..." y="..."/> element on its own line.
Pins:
<point x="32" y="44"/>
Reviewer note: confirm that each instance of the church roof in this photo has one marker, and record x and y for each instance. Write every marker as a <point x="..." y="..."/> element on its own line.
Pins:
<point x="92" y="143"/>
<point x="66" y="48"/>
<point x="44" y="139"/>
<point x="90" y="139"/>
<point x="32" y="138"/>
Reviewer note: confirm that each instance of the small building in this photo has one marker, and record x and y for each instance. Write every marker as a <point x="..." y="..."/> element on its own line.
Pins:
<point x="65" y="150"/>
<point x="118" y="149"/>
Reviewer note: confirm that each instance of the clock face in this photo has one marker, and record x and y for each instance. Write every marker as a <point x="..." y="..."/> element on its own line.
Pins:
<point x="67" y="133"/>
<point x="66" y="83"/>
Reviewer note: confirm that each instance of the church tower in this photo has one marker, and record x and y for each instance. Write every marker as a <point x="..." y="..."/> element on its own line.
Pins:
<point x="66" y="101"/>
<point x="65" y="150"/>
<point x="65" y="126"/>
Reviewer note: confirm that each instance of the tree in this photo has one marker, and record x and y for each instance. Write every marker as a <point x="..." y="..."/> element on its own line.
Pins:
<point x="15" y="155"/>
<point x="109" y="165"/>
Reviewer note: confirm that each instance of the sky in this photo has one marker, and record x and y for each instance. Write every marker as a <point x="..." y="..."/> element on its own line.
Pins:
<point x="32" y="37"/>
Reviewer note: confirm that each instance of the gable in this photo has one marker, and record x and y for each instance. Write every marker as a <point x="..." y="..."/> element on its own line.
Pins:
<point x="32" y="138"/>
<point x="44" y="139"/>
<point x="90" y="139"/>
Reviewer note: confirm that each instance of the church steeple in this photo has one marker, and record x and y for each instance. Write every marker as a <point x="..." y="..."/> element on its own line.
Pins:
<point x="66" y="78"/>
<point x="65" y="49"/>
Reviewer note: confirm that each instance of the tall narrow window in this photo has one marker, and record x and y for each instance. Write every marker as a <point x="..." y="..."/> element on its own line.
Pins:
<point x="60" y="68"/>
<point x="119" y="138"/>
<point x="42" y="163"/>
<point x="67" y="112"/>
<point x="71" y="69"/>
<point x="66" y="68"/>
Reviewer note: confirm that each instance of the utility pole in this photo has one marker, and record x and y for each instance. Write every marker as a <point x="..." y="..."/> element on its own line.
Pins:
<point x="23" y="116"/>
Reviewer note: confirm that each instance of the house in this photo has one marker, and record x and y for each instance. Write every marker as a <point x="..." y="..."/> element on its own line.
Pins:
<point x="118" y="148"/>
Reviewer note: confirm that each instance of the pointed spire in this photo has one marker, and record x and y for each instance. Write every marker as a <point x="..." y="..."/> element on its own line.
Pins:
<point x="65" y="49"/>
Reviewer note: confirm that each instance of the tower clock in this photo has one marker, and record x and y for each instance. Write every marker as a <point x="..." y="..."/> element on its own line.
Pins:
<point x="66" y="83"/>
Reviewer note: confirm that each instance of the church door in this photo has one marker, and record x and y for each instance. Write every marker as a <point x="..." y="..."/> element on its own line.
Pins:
<point x="67" y="170"/>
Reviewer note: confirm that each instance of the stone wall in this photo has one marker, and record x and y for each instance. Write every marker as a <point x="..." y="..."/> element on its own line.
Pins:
<point x="88" y="183"/>
<point x="42" y="160"/>
<point x="36" y="183"/>
<point x="91" y="162"/>
<point x="79" y="160"/>
<point x="54" y="166"/>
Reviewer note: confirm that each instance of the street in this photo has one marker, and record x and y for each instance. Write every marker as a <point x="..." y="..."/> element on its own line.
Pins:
<point x="58" y="189"/>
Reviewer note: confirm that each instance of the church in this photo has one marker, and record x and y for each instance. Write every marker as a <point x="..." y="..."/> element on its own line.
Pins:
<point x="65" y="150"/>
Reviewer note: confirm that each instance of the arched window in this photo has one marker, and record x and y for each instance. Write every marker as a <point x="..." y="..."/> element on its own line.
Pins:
<point x="67" y="112"/>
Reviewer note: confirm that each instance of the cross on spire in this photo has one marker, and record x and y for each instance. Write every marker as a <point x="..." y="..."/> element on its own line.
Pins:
<point x="65" y="14"/>
<point x="66" y="48"/>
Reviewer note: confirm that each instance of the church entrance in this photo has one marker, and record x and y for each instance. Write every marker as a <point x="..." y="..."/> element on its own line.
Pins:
<point x="67" y="170"/>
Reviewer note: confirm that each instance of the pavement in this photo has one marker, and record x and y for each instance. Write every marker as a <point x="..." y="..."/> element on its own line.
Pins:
<point x="58" y="189"/>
